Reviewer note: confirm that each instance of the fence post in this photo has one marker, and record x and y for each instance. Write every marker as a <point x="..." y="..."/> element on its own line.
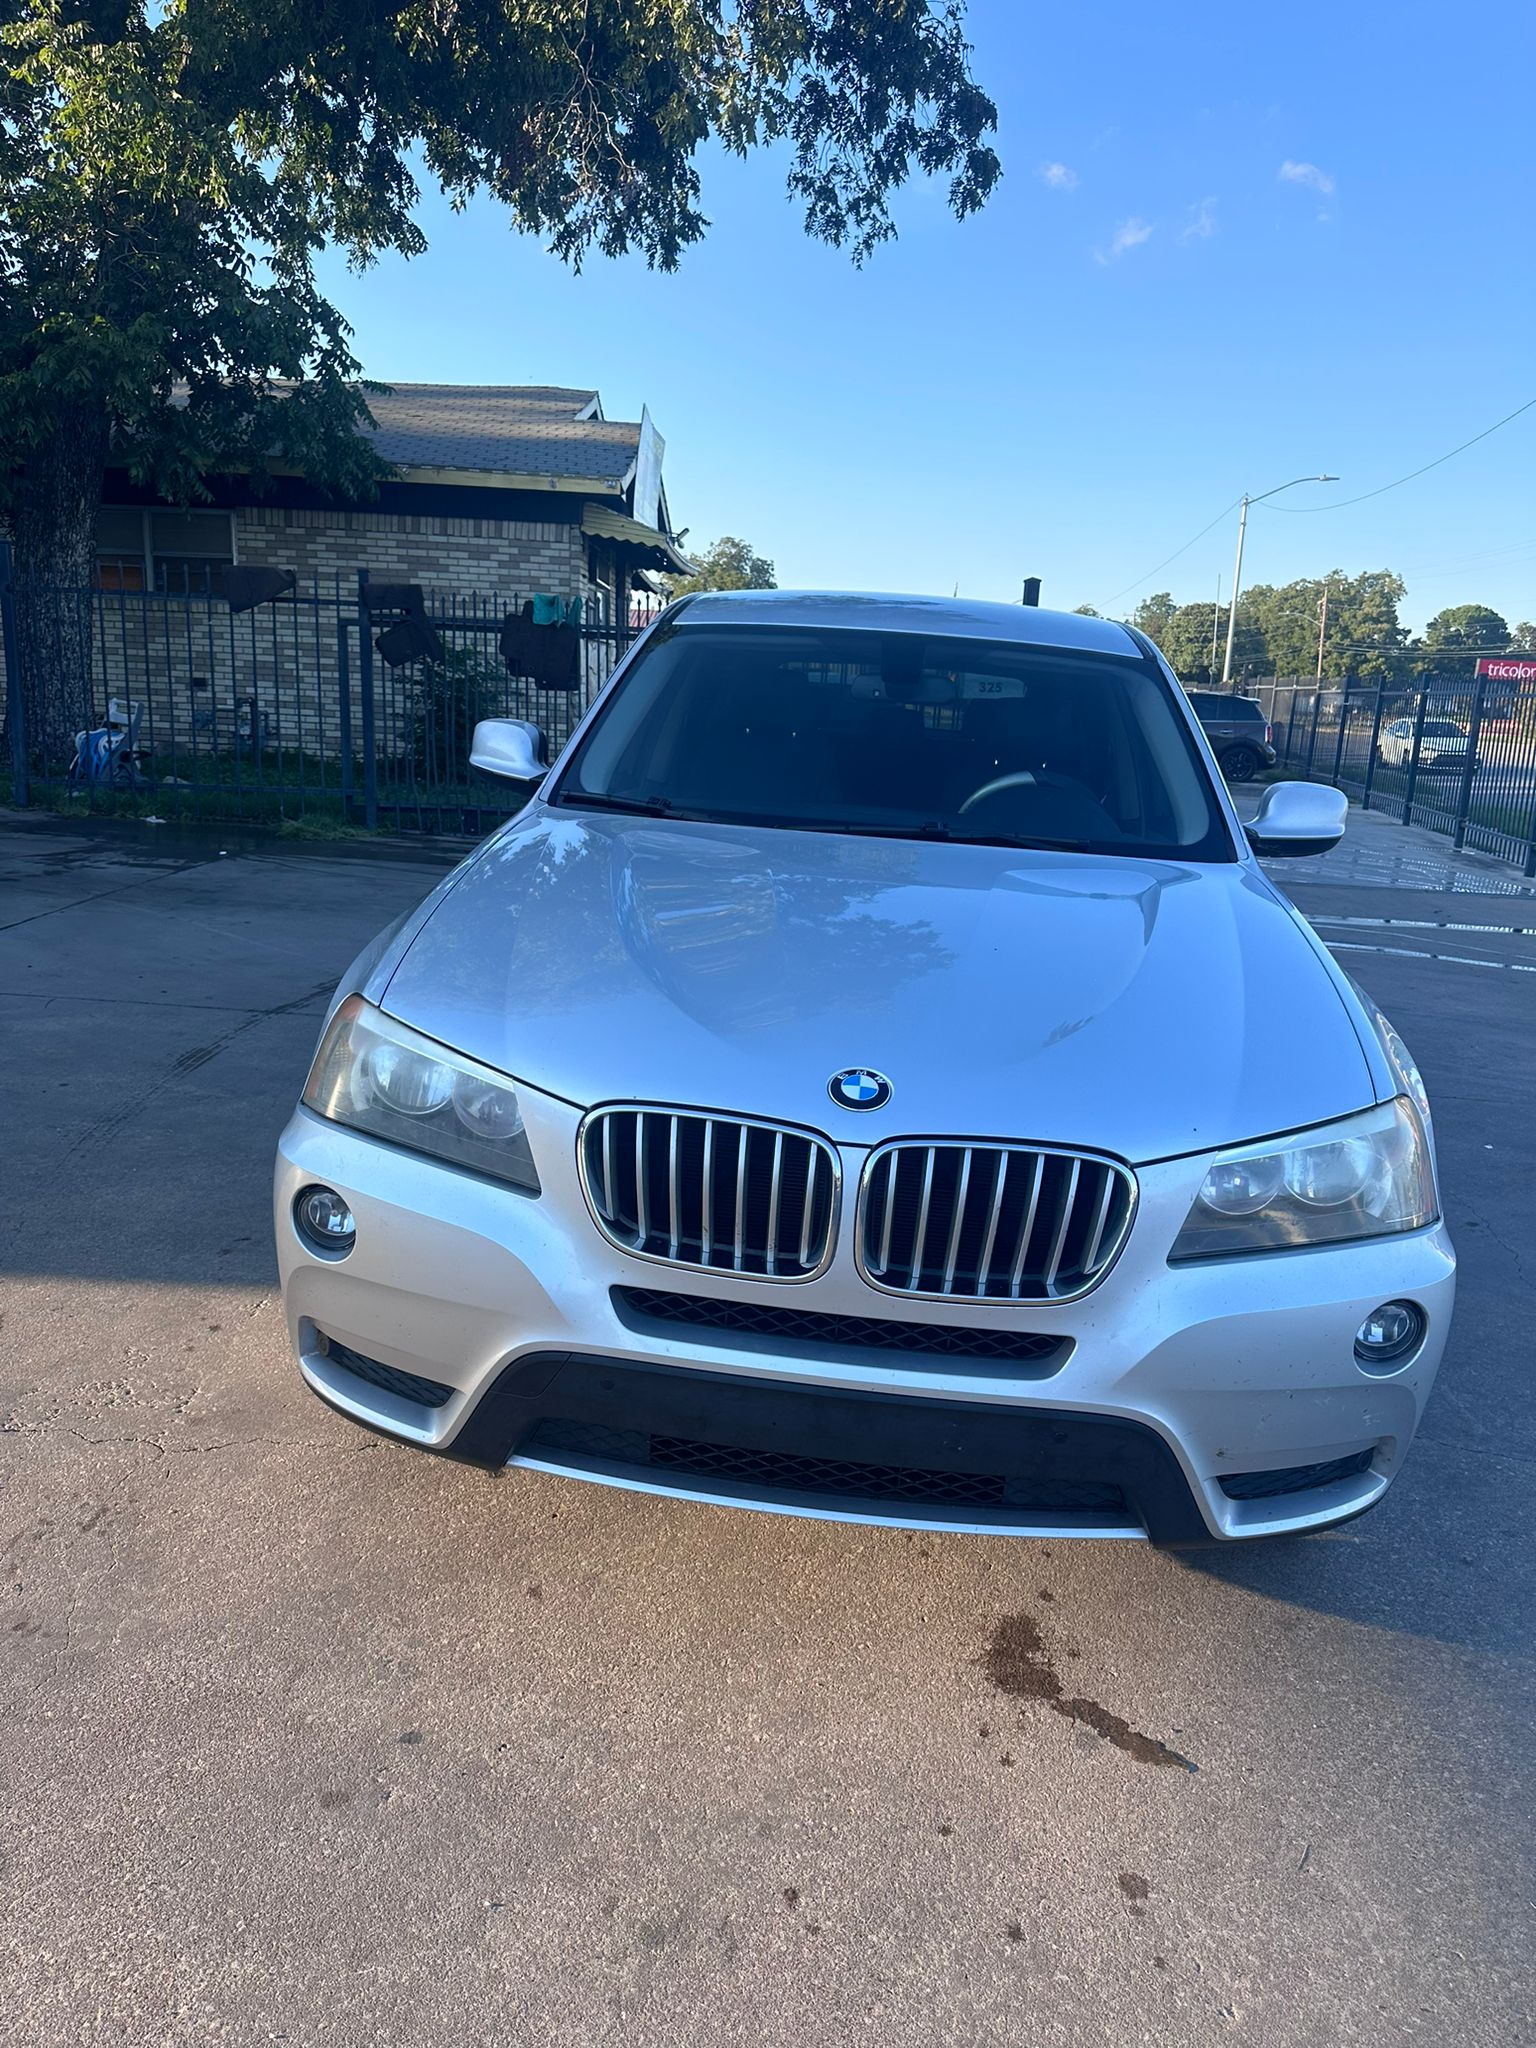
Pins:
<point x="1413" y="766"/>
<point x="1345" y="708"/>
<point x="344" y="708"/>
<point x="1370" y="759"/>
<point x="365" y="681"/>
<point x="1317" y="710"/>
<point x="15" y="703"/>
<point x="1464" y="795"/>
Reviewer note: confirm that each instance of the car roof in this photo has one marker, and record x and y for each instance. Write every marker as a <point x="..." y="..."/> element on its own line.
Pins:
<point x="963" y="618"/>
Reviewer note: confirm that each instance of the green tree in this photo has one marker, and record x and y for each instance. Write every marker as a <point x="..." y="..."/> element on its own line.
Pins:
<point x="1523" y="638"/>
<point x="1087" y="611"/>
<point x="1363" y="627"/>
<point x="171" y="169"/>
<point x="1467" y="625"/>
<point x="1153" y="614"/>
<point x="1364" y="630"/>
<point x="1187" y="642"/>
<point x="729" y="564"/>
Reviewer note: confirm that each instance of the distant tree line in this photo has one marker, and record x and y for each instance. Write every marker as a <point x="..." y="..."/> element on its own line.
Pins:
<point x="1277" y="628"/>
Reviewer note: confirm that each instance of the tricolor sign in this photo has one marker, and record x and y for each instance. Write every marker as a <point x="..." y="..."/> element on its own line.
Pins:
<point x="1507" y="668"/>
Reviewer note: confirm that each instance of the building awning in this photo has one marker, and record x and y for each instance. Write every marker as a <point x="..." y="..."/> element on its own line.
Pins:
<point x="640" y="546"/>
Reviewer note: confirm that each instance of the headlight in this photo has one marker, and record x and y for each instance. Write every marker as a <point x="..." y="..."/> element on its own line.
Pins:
<point x="381" y="1077"/>
<point x="1409" y="1080"/>
<point x="1369" y="1176"/>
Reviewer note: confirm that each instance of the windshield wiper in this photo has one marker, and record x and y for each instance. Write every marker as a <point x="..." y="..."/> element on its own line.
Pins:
<point x="1030" y="842"/>
<point x="932" y="830"/>
<point x="943" y="834"/>
<point x="600" y="800"/>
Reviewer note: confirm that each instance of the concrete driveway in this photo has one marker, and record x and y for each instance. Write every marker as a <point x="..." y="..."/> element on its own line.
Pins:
<point x="309" y="1739"/>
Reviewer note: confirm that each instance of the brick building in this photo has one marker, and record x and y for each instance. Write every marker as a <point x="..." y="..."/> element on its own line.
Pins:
<point x="501" y="490"/>
<point x="497" y="494"/>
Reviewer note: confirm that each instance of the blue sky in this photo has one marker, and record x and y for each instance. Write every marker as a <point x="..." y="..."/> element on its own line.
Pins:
<point x="1279" y="240"/>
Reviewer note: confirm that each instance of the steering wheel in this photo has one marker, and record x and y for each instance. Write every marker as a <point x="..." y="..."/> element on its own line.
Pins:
<point x="1021" y="777"/>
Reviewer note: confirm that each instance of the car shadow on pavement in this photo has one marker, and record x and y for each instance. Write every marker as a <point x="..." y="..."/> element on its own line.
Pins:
<point x="1445" y="1558"/>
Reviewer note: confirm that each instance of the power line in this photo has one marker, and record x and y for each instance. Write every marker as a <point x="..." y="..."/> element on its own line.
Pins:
<point x="1339" y="505"/>
<point x="1176" y="554"/>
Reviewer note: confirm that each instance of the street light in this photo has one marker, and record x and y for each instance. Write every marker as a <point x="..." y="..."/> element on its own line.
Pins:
<point x="1237" y="573"/>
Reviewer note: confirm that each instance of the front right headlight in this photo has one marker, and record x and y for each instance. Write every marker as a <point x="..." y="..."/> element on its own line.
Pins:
<point x="1368" y="1176"/>
<point x="378" y="1076"/>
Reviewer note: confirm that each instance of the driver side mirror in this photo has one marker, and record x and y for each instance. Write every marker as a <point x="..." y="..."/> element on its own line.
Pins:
<point x="1295" y="818"/>
<point x="510" y="748"/>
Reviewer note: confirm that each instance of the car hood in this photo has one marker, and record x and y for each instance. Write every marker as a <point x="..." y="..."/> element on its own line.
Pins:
<point x="1144" y="1008"/>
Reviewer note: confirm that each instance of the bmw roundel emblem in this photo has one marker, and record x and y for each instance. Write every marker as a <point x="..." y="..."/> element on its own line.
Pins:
<point x="859" y="1088"/>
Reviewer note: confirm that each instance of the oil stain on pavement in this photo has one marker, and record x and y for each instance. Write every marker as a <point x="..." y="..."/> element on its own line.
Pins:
<point x="1018" y="1664"/>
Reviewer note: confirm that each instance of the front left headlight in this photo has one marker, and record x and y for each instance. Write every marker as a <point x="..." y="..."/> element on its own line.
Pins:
<point x="378" y="1076"/>
<point x="1368" y="1176"/>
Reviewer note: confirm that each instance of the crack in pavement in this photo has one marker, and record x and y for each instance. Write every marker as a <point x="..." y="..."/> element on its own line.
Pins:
<point x="17" y="1427"/>
<point x="83" y="902"/>
<point x="185" y="1063"/>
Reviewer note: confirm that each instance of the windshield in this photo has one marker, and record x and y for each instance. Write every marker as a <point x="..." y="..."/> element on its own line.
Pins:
<point x="898" y="734"/>
<point x="1441" y="729"/>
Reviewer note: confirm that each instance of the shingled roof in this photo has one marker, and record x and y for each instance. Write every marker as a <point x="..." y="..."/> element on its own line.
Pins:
<point x="505" y="429"/>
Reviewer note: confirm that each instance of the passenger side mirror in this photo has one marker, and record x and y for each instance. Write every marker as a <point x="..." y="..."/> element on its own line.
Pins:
<point x="511" y="748"/>
<point x="1294" y="818"/>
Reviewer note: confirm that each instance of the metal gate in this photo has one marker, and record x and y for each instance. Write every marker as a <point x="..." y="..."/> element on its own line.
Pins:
<point x="289" y="710"/>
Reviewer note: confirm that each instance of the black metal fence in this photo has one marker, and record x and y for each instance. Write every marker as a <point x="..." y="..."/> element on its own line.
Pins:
<point x="1457" y="756"/>
<point x="288" y="710"/>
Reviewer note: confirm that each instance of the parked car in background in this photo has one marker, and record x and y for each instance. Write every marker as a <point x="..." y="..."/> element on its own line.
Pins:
<point x="873" y="1077"/>
<point x="1444" y="744"/>
<point x="1238" y="731"/>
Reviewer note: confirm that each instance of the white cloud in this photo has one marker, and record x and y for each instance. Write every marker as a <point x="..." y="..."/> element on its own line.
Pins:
<point x="1201" y="224"/>
<point x="1129" y="235"/>
<point x="1060" y="177"/>
<point x="1293" y="173"/>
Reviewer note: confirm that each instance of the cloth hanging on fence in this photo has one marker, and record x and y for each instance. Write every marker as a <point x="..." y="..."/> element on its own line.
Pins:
<point x="405" y="598"/>
<point x="247" y="586"/>
<point x="546" y="654"/>
<point x="549" y="609"/>
<point x="409" y="639"/>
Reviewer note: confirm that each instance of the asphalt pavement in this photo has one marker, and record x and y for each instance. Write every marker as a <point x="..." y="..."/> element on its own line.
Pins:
<point x="306" y="1738"/>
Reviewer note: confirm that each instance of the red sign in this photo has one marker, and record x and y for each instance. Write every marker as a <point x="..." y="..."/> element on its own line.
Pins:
<point x="1505" y="668"/>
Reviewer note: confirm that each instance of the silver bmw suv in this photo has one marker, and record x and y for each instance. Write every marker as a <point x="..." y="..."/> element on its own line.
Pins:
<point x="874" y="1078"/>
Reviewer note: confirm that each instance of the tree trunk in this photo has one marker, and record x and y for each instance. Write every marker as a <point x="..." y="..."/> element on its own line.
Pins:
<point x="53" y="525"/>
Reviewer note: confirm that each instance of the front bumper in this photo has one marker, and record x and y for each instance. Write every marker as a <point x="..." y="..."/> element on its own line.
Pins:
<point x="493" y="1326"/>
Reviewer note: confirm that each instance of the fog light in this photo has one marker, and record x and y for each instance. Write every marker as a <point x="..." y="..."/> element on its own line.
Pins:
<point x="325" y="1222"/>
<point x="1388" y="1336"/>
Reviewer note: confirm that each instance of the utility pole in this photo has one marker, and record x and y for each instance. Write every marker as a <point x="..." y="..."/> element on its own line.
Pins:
<point x="1215" y="628"/>
<point x="1237" y="573"/>
<point x="1237" y="577"/>
<point x="1322" y="630"/>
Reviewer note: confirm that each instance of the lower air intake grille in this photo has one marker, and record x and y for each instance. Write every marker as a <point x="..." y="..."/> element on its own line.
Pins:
<point x="1293" y="1478"/>
<point x="865" y="1333"/>
<point x="786" y="1472"/>
<point x="711" y="1192"/>
<point x="409" y="1386"/>
<point x="991" y="1222"/>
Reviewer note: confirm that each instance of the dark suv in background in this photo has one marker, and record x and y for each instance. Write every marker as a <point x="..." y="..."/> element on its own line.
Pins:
<point x="1237" y="730"/>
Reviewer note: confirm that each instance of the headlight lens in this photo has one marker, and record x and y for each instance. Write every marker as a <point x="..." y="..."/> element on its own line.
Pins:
<point x="381" y="1077"/>
<point x="1409" y="1080"/>
<point x="1370" y="1176"/>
